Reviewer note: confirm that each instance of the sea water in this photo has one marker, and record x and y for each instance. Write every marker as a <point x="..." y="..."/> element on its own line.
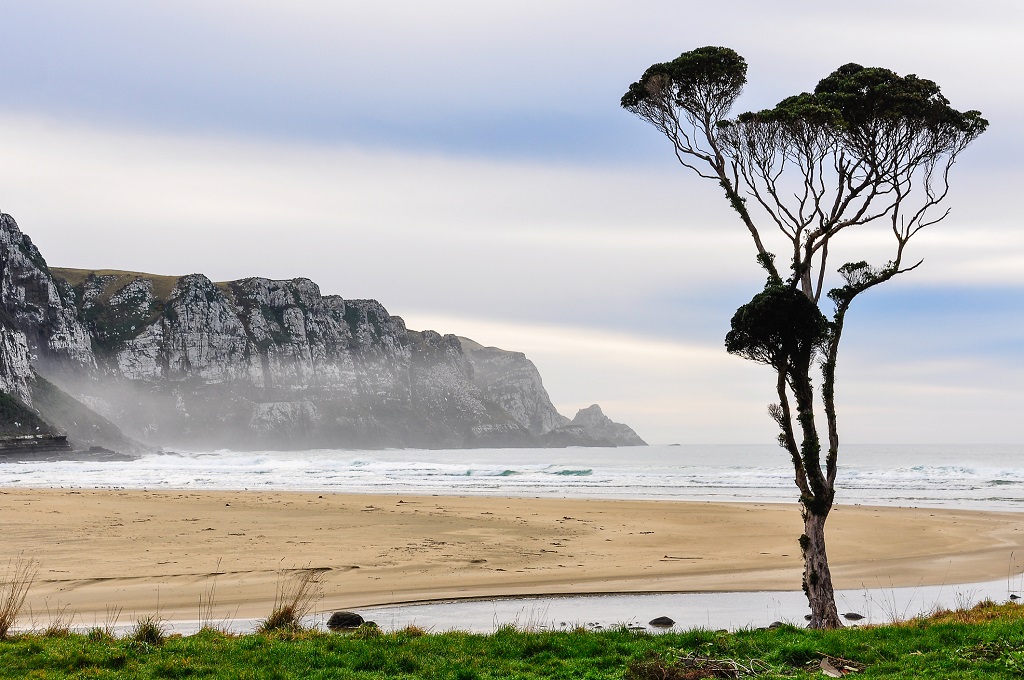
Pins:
<point x="959" y="476"/>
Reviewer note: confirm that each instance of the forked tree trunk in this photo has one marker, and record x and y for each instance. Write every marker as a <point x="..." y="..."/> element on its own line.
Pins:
<point x="817" y="577"/>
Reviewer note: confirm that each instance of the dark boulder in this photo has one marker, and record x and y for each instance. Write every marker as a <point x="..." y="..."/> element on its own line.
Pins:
<point x="662" y="622"/>
<point x="344" y="620"/>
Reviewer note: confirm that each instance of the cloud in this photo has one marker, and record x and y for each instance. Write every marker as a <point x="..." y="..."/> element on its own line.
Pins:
<point x="377" y="220"/>
<point x="667" y="391"/>
<point x="526" y="79"/>
<point x="468" y="162"/>
<point x="697" y="393"/>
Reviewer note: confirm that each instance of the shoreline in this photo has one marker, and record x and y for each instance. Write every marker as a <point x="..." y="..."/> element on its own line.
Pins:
<point x="163" y="551"/>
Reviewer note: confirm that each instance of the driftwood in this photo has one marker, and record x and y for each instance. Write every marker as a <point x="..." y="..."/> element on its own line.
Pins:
<point x="836" y="666"/>
<point x="695" y="667"/>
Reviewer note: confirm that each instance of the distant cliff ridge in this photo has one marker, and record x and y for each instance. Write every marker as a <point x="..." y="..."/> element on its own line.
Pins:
<point x="127" y="359"/>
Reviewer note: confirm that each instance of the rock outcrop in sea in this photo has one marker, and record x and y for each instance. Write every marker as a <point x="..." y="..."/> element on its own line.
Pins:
<point x="127" y="360"/>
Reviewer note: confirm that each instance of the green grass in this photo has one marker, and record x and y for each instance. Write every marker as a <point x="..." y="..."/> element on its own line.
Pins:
<point x="986" y="642"/>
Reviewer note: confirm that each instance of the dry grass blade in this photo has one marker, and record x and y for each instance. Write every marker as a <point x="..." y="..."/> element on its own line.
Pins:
<point x="110" y="620"/>
<point x="18" y="579"/>
<point x="60" y="621"/>
<point x="207" y="600"/>
<point x="295" y="599"/>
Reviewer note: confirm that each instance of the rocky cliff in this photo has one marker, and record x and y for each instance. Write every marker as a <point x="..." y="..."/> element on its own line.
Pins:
<point x="594" y="423"/>
<point x="115" y="357"/>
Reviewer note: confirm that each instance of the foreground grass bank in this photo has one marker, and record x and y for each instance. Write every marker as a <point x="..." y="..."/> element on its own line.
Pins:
<point x="984" y="642"/>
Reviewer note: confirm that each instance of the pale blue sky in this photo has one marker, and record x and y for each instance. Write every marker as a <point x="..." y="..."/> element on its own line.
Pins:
<point x="467" y="164"/>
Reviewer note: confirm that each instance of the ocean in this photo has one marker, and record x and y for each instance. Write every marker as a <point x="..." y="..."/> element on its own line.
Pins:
<point x="987" y="477"/>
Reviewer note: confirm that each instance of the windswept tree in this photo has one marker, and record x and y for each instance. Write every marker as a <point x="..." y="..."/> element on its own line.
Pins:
<point x="866" y="149"/>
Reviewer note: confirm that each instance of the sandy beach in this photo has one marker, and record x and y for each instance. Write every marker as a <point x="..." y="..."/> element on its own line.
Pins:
<point x="147" y="552"/>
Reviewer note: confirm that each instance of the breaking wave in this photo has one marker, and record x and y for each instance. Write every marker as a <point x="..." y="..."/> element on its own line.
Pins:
<point x="920" y="475"/>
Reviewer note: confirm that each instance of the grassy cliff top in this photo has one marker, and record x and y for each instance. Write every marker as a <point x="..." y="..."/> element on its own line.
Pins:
<point x="162" y="285"/>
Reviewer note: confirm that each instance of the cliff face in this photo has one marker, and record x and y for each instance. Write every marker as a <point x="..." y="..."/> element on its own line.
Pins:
<point x="36" y="325"/>
<point x="255" y="363"/>
<point x="512" y="382"/>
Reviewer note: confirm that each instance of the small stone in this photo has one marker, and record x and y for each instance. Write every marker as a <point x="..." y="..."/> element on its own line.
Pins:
<point x="853" y="616"/>
<point x="775" y="624"/>
<point x="662" y="622"/>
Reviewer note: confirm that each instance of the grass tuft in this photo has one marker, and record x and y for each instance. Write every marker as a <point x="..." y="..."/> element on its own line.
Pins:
<point x="59" y="622"/>
<point x="149" y="630"/>
<point x="295" y="599"/>
<point x="982" y="612"/>
<point x="18" y="579"/>
<point x="412" y="631"/>
<point x="368" y="631"/>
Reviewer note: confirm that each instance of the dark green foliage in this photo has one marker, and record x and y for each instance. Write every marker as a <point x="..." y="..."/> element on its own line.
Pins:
<point x="873" y="114"/>
<point x="354" y="318"/>
<point x="704" y="82"/>
<point x="274" y="317"/>
<point x="70" y="296"/>
<point x="82" y="424"/>
<point x="777" y="326"/>
<point x="18" y="419"/>
<point x="112" y="324"/>
<point x="866" y="96"/>
<point x="29" y="250"/>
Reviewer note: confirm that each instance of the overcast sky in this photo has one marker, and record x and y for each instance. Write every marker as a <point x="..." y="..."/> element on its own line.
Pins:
<point x="467" y="164"/>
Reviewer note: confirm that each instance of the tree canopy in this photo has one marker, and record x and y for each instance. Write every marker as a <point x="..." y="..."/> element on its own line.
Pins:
<point x="859" y="148"/>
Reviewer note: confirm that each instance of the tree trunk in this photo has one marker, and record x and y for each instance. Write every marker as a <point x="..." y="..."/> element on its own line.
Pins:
<point x="817" y="578"/>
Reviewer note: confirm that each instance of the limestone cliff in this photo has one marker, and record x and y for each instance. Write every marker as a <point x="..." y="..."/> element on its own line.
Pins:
<point x="37" y="327"/>
<point x="512" y="382"/>
<point x="255" y="363"/>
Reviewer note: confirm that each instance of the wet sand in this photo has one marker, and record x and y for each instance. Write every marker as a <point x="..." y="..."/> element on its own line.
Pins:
<point x="161" y="552"/>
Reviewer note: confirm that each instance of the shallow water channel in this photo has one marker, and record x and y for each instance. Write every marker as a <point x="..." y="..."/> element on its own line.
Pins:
<point x="731" y="610"/>
<point x="713" y="611"/>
